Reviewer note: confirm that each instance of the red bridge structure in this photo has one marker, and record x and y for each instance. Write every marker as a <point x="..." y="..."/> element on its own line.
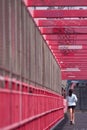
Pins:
<point x="42" y="43"/>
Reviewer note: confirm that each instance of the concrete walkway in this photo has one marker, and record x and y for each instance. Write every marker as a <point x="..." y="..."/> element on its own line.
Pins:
<point x="80" y="122"/>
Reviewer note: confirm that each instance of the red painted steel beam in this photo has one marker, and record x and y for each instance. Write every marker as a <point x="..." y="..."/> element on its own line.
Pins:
<point x="60" y="13"/>
<point x="65" y="72"/>
<point x="74" y="61"/>
<point x="66" y="30"/>
<point x="60" y="55"/>
<point x="73" y="77"/>
<point x="82" y="68"/>
<point x="77" y="73"/>
<point x="73" y="58"/>
<point x="72" y="53"/>
<point x="66" y="57"/>
<point x="81" y="47"/>
<point x="63" y="23"/>
<point x="78" y="64"/>
<point x="70" y="57"/>
<point x="55" y="2"/>
<point x="56" y="51"/>
<point x="57" y="37"/>
<point x="71" y="74"/>
<point x="72" y="65"/>
<point x="55" y="43"/>
<point x="84" y="72"/>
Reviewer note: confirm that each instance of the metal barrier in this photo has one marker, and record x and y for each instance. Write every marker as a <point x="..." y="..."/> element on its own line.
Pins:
<point x="28" y="61"/>
<point x="26" y="107"/>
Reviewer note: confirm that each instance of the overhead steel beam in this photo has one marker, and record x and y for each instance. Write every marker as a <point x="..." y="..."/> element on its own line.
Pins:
<point x="73" y="65"/>
<point x="67" y="30"/>
<point x="62" y="23"/>
<point x="60" y="13"/>
<point x="59" y="56"/>
<point x="74" y="55"/>
<point x="77" y="42"/>
<point x="70" y="47"/>
<point x="76" y="73"/>
<point x="70" y="62"/>
<point x="72" y="58"/>
<point x="57" y="37"/>
<point x="75" y="34"/>
<point x="71" y="54"/>
<point x="80" y="67"/>
<point x="74" y="61"/>
<point x="73" y="74"/>
<point x="55" y="2"/>
<point x="74" y="51"/>
<point x="73" y="77"/>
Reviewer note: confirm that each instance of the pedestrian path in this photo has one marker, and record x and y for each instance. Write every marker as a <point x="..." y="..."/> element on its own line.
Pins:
<point x="80" y="122"/>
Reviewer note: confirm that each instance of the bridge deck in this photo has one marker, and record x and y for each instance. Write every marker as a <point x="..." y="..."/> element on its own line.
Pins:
<point x="80" y="122"/>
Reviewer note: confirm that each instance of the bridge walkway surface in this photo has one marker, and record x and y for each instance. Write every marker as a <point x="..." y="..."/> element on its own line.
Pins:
<point x="80" y="122"/>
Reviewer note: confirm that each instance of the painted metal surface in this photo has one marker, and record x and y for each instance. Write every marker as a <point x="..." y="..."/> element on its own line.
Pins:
<point x="29" y="98"/>
<point x="55" y="2"/>
<point x="27" y="107"/>
<point x="65" y="32"/>
<point x="70" y="17"/>
<point x="59" y="13"/>
<point x="53" y="38"/>
<point x="73" y="22"/>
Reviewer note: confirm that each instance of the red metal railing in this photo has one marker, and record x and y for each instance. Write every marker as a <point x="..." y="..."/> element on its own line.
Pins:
<point x="23" y="106"/>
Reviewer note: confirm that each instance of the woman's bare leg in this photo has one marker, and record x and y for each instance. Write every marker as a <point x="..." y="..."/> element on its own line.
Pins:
<point x="71" y="115"/>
